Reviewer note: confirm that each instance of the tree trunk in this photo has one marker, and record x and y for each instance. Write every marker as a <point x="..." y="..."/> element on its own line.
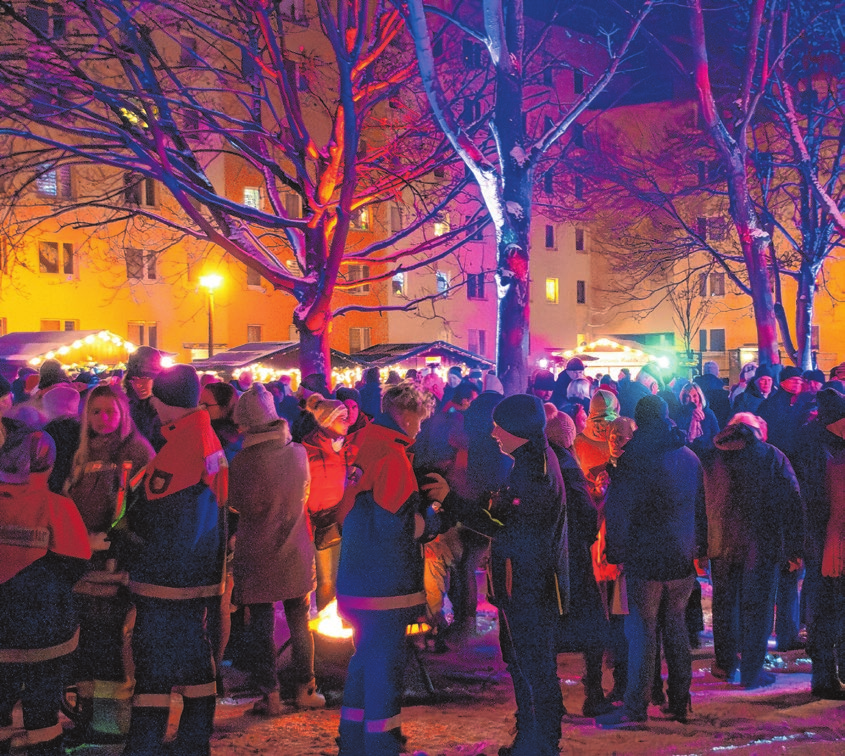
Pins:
<point x="755" y="244"/>
<point x="314" y="355"/>
<point x="514" y="316"/>
<point x="804" y="306"/>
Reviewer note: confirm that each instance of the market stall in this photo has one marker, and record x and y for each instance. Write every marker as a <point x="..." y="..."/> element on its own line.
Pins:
<point x="270" y="360"/>
<point x="75" y="350"/>
<point x="608" y="356"/>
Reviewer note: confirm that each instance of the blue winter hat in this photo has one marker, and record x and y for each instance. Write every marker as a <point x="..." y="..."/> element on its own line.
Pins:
<point x="522" y="415"/>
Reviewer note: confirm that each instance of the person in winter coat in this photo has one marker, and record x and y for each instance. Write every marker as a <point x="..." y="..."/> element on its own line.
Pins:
<point x="713" y="388"/>
<point x="756" y="392"/>
<point x="111" y="453"/>
<point x="274" y="555"/>
<point x="60" y="406"/>
<point x="371" y="392"/>
<point x="330" y="458"/>
<point x="476" y="474"/>
<point x="380" y="576"/>
<point x="584" y="626"/>
<point x="529" y="570"/>
<point x="219" y="400"/>
<point x="630" y="392"/>
<point x="696" y="419"/>
<point x="820" y="464"/>
<point x="785" y="412"/>
<point x="755" y="524"/>
<point x="746" y="375"/>
<point x="43" y="552"/>
<point x="143" y="365"/>
<point x="176" y="570"/>
<point x="528" y="562"/>
<point x="592" y="449"/>
<point x="656" y="527"/>
<point x="574" y="369"/>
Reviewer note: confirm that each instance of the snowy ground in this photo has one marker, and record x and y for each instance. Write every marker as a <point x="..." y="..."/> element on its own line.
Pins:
<point x="470" y="712"/>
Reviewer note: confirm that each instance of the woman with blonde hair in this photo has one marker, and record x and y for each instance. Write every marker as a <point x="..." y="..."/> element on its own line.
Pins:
<point x="111" y="452"/>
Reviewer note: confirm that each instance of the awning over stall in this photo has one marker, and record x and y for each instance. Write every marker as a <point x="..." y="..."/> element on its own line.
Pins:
<point x="75" y="350"/>
<point x="407" y="356"/>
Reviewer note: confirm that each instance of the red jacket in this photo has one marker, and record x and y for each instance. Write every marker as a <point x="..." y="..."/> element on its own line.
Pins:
<point x="329" y="469"/>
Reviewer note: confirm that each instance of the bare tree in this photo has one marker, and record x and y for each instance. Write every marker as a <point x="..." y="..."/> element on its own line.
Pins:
<point x="321" y="111"/>
<point x="496" y="143"/>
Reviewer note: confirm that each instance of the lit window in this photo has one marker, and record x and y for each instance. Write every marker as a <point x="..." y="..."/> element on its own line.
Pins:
<point x="360" y="219"/>
<point x="398" y="285"/>
<point x="552" y="290"/>
<point x="54" y="182"/>
<point x="442" y="279"/>
<point x="252" y="197"/>
<point x="441" y="225"/>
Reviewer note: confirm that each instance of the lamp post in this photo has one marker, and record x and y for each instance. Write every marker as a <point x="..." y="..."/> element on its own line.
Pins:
<point x="211" y="282"/>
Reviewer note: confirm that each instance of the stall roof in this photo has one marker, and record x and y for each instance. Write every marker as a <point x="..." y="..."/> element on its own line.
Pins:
<point x="69" y="347"/>
<point x="383" y="355"/>
<point x="278" y="355"/>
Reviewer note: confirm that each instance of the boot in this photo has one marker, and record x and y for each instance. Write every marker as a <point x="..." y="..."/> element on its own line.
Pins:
<point x="269" y="705"/>
<point x="195" y="727"/>
<point x="308" y="697"/>
<point x="83" y="716"/>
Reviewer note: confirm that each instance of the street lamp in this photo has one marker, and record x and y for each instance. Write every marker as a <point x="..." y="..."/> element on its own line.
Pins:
<point x="211" y="282"/>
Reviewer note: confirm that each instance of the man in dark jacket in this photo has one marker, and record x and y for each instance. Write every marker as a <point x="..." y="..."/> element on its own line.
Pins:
<point x="755" y="525"/>
<point x="529" y="570"/>
<point x="820" y="464"/>
<point x="785" y="412"/>
<point x="656" y="527"/>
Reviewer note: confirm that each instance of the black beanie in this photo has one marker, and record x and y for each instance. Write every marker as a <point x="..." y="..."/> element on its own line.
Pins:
<point x="789" y="372"/>
<point x="814" y="375"/>
<point x="178" y="386"/>
<point x="522" y="415"/>
<point x="831" y="406"/>
<point x="343" y="393"/>
<point x="764" y="370"/>
<point x="651" y="410"/>
<point x="544" y="381"/>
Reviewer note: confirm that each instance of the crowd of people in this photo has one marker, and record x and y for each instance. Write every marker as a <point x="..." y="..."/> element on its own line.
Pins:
<point x="140" y="513"/>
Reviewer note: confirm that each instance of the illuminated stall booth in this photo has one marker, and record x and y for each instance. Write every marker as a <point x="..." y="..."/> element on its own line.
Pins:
<point x="270" y="360"/>
<point x="76" y="350"/>
<point x="438" y="356"/>
<point x="608" y="357"/>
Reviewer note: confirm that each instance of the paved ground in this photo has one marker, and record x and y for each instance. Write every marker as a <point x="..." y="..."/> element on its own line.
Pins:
<point x="470" y="711"/>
